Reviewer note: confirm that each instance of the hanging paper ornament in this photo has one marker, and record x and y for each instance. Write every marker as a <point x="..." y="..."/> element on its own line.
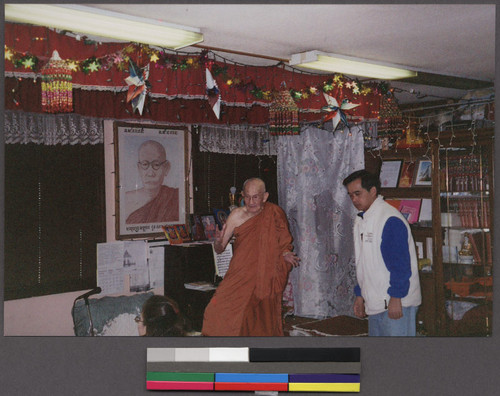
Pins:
<point x="283" y="114"/>
<point x="57" y="86"/>
<point x="336" y="112"/>
<point x="213" y="93"/>
<point x="138" y="85"/>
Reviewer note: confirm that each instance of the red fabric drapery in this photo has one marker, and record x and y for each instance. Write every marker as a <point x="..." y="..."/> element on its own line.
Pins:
<point x="175" y="95"/>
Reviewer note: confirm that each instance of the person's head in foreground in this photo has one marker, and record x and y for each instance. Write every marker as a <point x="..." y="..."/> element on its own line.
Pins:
<point x="161" y="317"/>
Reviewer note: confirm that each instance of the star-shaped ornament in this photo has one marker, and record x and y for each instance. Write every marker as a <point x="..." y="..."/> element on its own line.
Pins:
<point x="8" y="54"/>
<point x="154" y="58"/>
<point x="72" y="65"/>
<point x="336" y="112"/>
<point x="94" y="66"/>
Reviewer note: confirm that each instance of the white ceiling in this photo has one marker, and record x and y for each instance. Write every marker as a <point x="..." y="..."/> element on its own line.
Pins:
<point x="445" y="39"/>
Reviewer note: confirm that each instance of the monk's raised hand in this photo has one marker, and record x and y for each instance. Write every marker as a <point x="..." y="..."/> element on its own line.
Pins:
<point x="219" y="239"/>
<point x="219" y="234"/>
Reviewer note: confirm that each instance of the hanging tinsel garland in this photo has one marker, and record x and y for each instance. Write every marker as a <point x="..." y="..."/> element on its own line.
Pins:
<point x="57" y="86"/>
<point x="283" y="114"/>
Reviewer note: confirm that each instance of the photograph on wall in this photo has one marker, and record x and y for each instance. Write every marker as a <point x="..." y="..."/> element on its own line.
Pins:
<point x="150" y="178"/>
<point x="424" y="173"/>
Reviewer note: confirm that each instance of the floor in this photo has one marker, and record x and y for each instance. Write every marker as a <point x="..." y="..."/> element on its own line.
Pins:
<point x="336" y="326"/>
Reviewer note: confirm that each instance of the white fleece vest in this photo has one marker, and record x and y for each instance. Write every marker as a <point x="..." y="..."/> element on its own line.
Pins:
<point x="372" y="274"/>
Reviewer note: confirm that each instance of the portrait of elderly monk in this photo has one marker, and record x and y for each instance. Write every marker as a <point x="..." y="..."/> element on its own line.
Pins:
<point x="153" y="202"/>
<point x="248" y="300"/>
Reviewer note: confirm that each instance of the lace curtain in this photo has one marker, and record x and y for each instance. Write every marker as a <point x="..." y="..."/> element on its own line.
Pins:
<point x="311" y="168"/>
<point x="51" y="129"/>
<point x="238" y="139"/>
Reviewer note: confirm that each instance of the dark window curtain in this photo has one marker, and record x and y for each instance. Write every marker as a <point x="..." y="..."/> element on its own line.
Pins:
<point x="214" y="174"/>
<point x="54" y="217"/>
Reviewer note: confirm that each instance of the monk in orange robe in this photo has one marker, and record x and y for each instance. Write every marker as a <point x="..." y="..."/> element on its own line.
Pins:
<point x="248" y="300"/>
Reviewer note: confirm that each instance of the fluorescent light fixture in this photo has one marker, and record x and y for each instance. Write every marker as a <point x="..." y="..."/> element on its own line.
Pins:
<point x="106" y="24"/>
<point x="348" y="65"/>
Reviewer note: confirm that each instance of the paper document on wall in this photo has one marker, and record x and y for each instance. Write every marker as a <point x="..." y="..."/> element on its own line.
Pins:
<point x="110" y="267"/>
<point x="117" y="261"/>
<point x="222" y="260"/>
<point x="156" y="263"/>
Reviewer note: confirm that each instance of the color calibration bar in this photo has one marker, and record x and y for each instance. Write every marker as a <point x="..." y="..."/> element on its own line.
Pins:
<point x="254" y="369"/>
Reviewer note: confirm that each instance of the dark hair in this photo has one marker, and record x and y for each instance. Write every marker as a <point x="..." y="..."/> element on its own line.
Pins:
<point x="368" y="179"/>
<point x="162" y="317"/>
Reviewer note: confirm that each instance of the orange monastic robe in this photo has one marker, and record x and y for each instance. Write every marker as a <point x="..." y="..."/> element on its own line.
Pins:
<point x="248" y="300"/>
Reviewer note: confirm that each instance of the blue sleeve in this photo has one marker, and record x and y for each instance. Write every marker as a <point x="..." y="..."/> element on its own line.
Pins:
<point x="396" y="255"/>
<point x="357" y="291"/>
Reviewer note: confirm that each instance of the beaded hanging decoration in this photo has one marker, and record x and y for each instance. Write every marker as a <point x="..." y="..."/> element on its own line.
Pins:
<point x="283" y="115"/>
<point x="57" y="86"/>
<point x="391" y="122"/>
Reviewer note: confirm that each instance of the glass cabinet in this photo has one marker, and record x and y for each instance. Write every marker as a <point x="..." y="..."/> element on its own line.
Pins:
<point x="465" y="213"/>
<point x="454" y="240"/>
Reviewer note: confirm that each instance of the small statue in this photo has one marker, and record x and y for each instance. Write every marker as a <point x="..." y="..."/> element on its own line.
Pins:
<point x="465" y="254"/>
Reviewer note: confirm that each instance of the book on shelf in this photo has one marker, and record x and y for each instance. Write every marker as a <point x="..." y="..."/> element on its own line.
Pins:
<point x="425" y="210"/>
<point x="410" y="209"/>
<point x="489" y="253"/>
<point x="473" y="213"/>
<point x="394" y="202"/>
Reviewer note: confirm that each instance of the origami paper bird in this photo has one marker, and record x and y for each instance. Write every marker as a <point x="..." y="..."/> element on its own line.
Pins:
<point x="213" y="93"/>
<point x="336" y="112"/>
<point x="138" y="85"/>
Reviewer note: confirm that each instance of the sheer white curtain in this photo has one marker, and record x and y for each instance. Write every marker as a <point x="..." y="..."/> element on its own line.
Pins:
<point x="311" y="168"/>
<point x="237" y="139"/>
<point x="51" y="129"/>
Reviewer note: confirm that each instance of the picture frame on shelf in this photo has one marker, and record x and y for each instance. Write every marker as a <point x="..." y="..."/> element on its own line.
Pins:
<point x="389" y="173"/>
<point x="407" y="174"/>
<point x="209" y="226"/>
<point x="183" y="232"/>
<point x="423" y="176"/>
<point x="197" y="230"/>
<point x="172" y="235"/>
<point x="221" y="216"/>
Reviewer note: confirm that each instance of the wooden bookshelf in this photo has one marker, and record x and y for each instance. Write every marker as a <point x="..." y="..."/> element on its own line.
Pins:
<point x="462" y="197"/>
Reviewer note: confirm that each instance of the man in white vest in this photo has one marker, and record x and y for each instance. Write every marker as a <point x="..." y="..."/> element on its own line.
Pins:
<point x="388" y="288"/>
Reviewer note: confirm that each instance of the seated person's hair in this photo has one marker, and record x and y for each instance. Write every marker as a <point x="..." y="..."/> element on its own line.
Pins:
<point x="162" y="318"/>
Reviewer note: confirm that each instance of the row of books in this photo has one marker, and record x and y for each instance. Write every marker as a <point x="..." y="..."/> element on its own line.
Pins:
<point x="472" y="212"/>
<point x="465" y="173"/>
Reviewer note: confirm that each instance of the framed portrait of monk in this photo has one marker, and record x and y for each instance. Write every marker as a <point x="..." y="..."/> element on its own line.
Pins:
<point x="151" y="168"/>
